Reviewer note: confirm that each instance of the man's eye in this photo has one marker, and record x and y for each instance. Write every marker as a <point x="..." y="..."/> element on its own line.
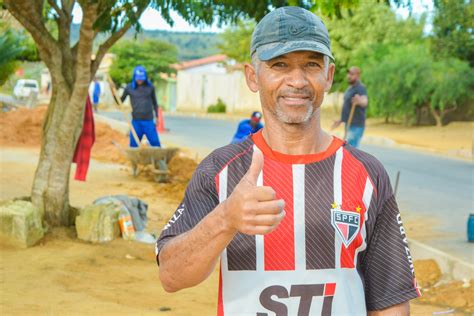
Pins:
<point x="279" y="65"/>
<point x="313" y="64"/>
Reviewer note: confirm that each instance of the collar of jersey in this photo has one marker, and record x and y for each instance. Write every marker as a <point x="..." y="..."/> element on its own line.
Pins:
<point x="260" y="142"/>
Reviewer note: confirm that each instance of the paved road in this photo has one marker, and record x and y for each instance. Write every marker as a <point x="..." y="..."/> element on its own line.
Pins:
<point x="431" y="187"/>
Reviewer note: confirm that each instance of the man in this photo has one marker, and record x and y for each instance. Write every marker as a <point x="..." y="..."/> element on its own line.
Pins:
<point x="95" y="92"/>
<point x="355" y="100"/>
<point x="302" y="223"/>
<point x="248" y="127"/>
<point x="144" y="107"/>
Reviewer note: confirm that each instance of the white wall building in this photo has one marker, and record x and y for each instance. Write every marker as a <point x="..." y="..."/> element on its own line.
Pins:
<point x="201" y="82"/>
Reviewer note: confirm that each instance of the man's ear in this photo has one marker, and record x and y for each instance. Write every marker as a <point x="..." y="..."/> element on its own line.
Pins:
<point x="330" y="77"/>
<point x="251" y="77"/>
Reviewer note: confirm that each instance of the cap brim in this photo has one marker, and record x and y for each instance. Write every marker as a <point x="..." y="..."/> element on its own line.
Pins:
<point x="140" y="77"/>
<point x="270" y="51"/>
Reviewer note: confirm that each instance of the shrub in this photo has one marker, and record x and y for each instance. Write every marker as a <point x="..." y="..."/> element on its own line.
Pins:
<point x="219" y="107"/>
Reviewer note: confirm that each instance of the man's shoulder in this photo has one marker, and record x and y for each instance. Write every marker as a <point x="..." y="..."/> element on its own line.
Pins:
<point x="361" y="87"/>
<point x="216" y="161"/>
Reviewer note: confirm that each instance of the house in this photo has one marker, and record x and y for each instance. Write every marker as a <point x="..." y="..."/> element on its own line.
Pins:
<point x="201" y="82"/>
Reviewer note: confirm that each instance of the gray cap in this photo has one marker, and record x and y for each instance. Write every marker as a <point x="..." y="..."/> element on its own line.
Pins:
<point x="290" y="29"/>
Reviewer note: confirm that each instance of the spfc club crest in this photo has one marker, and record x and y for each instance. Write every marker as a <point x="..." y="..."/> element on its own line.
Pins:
<point x="345" y="223"/>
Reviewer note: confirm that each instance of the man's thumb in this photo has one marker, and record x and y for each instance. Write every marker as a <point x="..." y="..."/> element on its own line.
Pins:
<point x="256" y="166"/>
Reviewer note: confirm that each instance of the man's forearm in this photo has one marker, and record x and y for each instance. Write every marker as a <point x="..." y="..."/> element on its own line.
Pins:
<point x="188" y="259"/>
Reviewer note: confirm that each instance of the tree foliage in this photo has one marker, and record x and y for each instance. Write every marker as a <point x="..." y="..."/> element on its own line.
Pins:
<point x="371" y="29"/>
<point x="397" y="83"/>
<point x="453" y="30"/>
<point x="10" y="49"/>
<point x="156" y="56"/>
<point x="409" y="80"/>
<point x="236" y="41"/>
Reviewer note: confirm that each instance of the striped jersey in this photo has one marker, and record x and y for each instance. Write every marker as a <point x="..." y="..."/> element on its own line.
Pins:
<point x="341" y="248"/>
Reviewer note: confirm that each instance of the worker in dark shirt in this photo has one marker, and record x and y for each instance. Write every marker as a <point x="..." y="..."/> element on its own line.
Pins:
<point x="248" y="127"/>
<point x="354" y="97"/>
<point x="144" y="107"/>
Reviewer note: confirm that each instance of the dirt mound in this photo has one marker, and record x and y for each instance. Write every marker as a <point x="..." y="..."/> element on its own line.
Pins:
<point x="181" y="170"/>
<point x="427" y="272"/>
<point x="22" y="127"/>
<point x="455" y="294"/>
<point x="104" y="149"/>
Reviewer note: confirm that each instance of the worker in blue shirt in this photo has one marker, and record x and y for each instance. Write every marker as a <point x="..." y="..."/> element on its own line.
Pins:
<point x="96" y="93"/>
<point x="248" y="127"/>
<point x="144" y="107"/>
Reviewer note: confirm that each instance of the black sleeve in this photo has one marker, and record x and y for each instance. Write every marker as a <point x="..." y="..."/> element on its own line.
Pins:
<point x="388" y="267"/>
<point x="200" y="198"/>
<point x="125" y="94"/>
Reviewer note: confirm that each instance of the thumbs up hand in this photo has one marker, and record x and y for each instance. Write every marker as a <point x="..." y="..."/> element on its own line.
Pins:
<point x="252" y="209"/>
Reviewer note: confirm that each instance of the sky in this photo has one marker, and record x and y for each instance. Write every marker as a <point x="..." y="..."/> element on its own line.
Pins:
<point x="152" y="20"/>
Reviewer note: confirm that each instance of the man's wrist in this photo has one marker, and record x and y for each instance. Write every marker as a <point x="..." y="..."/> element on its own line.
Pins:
<point x="223" y="220"/>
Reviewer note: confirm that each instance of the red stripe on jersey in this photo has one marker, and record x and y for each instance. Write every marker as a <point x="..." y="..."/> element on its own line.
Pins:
<point x="220" y="303"/>
<point x="279" y="246"/>
<point x="354" y="177"/>
<point x="259" y="140"/>
<point x="329" y="289"/>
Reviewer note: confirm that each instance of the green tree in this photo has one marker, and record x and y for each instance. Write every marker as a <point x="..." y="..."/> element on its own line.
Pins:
<point x="452" y="84"/>
<point x="155" y="55"/>
<point x="29" y="52"/>
<point x="408" y="80"/>
<point x="236" y="41"/>
<point x="398" y="84"/>
<point x="371" y="29"/>
<point x="72" y="69"/>
<point x="10" y="49"/>
<point x="453" y="30"/>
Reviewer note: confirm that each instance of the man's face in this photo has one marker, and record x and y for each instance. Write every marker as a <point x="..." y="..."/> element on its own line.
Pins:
<point x="140" y="82"/>
<point x="291" y="86"/>
<point x="352" y="76"/>
<point x="253" y="123"/>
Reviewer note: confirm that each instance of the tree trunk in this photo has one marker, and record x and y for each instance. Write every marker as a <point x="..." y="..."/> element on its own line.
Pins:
<point x="418" y="116"/>
<point x="438" y="116"/>
<point x="63" y="123"/>
<point x="61" y="130"/>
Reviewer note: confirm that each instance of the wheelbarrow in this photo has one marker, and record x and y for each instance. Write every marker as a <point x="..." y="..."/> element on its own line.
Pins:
<point x="157" y="157"/>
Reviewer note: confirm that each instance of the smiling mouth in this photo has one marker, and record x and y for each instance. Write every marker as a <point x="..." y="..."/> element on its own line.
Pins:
<point x="295" y="100"/>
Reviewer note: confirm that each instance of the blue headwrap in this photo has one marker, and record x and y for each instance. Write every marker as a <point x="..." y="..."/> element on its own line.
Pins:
<point x="139" y="73"/>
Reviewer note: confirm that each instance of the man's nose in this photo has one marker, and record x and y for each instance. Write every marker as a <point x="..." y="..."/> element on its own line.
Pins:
<point x="297" y="78"/>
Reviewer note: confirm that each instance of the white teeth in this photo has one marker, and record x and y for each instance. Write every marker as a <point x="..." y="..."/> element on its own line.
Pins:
<point x="294" y="99"/>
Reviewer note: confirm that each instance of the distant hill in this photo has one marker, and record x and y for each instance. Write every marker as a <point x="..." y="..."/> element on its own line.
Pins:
<point x="191" y="45"/>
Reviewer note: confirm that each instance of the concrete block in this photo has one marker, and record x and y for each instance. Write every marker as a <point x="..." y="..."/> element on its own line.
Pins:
<point x="20" y="224"/>
<point x="98" y="223"/>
